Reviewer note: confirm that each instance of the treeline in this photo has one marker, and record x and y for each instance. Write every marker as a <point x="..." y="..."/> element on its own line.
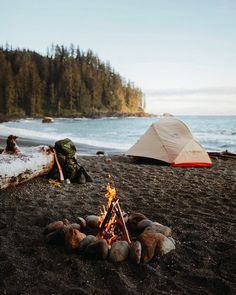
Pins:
<point x="66" y="82"/>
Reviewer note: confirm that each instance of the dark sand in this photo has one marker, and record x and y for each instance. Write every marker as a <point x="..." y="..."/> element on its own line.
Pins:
<point x="197" y="203"/>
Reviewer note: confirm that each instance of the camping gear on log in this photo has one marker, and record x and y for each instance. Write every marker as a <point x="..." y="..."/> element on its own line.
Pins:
<point x="170" y="140"/>
<point x="65" y="152"/>
<point x="29" y="163"/>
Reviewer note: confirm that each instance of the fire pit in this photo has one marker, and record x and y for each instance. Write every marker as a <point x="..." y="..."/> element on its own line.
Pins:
<point x="113" y="235"/>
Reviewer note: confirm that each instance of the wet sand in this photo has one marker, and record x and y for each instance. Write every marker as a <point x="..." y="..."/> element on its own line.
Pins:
<point x="197" y="203"/>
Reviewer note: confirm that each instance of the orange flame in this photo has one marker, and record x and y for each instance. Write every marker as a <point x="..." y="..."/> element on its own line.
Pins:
<point x="109" y="230"/>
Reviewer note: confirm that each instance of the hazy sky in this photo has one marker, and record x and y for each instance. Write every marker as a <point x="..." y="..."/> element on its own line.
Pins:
<point x="181" y="53"/>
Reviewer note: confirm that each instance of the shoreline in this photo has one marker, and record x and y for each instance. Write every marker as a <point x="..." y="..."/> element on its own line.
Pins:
<point x="197" y="203"/>
<point x="89" y="115"/>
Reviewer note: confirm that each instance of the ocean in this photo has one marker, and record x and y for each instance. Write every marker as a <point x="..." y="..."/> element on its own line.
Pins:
<point x="117" y="135"/>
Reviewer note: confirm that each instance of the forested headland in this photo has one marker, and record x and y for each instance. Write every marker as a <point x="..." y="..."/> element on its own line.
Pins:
<point x="65" y="82"/>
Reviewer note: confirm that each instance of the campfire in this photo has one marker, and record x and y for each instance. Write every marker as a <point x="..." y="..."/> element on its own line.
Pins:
<point x="113" y="234"/>
<point x="112" y="226"/>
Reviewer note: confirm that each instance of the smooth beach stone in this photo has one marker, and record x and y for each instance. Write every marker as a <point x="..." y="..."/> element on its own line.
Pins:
<point x="135" y="252"/>
<point x="73" y="237"/>
<point x="66" y="221"/>
<point x="148" y="240"/>
<point x="172" y="240"/>
<point x="92" y="221"/>
<point x="136" y="217"/>
<point x="75" y="226"/>
<point x="98" y="249"/>
<point x="119" y="251"/>
<point x="53" y="226"/>
<point x="143" y="224"/>
<point x="133" y="220"/>
<point x="55" y="237"/>
<point x="86" y="242"/>
<point x="81" y="221"/>
<point x="164" y="244"/>
<point x="165" y="230"/>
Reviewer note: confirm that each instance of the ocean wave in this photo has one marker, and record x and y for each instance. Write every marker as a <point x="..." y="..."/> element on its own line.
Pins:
<point x="50" y="137"/>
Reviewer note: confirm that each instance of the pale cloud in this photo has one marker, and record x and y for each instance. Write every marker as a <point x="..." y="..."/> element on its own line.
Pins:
<point x="202" y="101"/>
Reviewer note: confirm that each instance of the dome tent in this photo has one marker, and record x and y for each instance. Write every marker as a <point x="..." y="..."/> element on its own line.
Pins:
<point x="171" y="141"/>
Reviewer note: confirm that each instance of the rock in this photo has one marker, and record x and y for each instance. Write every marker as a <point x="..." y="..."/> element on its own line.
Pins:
<point x="164" y="244"/>
<point x="81" y="221"/>
<point x="47" y="120"/>
<point x="172" y="240"/>
<point x="92" y="221"/>
<point x="143" y="224"/>
<point x="165" y="230"/>
<point x="98" y="249"/>
<point x="133" y="220"/>
<point x="100" y="153"/>
<point x="55" y="237"/>
<point x="73" y="237"/>
<point x="75" y="226"/>
<point x="153" y="242"/>
<point x="53" y="226"/>
<point x="66" y="221"/>
<point x="136" y="217"/>
<point x="86" y="242"/>
<point x="148" y="241"/>
<point x="119" y="251"/>
<point x="135" y="252"/>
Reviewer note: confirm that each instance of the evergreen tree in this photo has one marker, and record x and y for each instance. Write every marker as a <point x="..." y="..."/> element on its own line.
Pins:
<point x="65" y="82"/>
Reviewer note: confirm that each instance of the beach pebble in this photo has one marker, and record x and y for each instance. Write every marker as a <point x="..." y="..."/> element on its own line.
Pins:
<point x="53" y="226"/>
<point x="135" y="252"/>
<point x="148" y="241"/>
<point x="153" y="242"/>
<point x="133" y="220"/>
<point x="75" y="226"/>
<point x="85" y="242"/>
<point x="66" y="221"/>
<point x="165" y="230"/>
<point x="73" y="237"/>
<point x="164" y="244"/>
<point x="55" y="237"/>
<point x="92" y="221"/>
<point x="98" y="249"/>
<point x="143" y="224"/>
<point x="81" y="221"/>
<point x="119" y="251"/>
<point x="172" y="240"/>
<point x="136" y="217"/>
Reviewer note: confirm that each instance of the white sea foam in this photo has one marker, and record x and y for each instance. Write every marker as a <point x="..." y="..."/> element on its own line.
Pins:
<point x="119" y="134"/>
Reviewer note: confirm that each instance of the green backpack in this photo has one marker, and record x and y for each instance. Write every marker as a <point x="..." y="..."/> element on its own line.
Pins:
<point x="66" y="150"/>
<point x="65" y="147"/>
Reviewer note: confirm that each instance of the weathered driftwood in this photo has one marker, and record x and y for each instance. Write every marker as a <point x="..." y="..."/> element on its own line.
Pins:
<point x="31" y="162"/>
<point x="222" y="155"/>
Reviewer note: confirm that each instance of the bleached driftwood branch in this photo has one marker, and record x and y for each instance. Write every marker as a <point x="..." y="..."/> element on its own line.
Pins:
<point x="29" y="163"/>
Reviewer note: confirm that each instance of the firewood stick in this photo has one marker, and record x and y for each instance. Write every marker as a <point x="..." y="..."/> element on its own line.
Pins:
<point x="61" y="176"/>
<point x="124" y="228"/>
<point x="106" y="219"/>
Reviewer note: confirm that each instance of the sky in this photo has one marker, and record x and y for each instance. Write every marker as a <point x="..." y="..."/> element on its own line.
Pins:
<point x="181" y="53"/>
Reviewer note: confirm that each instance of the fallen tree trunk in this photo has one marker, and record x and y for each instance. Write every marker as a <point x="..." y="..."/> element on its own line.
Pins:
<point x="31" y="162"/>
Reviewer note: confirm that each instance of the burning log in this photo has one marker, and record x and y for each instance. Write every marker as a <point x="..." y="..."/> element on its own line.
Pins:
<point x="122" y="222"/>
<point x="114" y="212"/>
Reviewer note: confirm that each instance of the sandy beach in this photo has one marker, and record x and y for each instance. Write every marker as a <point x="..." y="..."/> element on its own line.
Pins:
<point x="197" y="203"/>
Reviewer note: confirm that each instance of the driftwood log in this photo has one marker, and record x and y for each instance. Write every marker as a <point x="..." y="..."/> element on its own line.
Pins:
<point x="222" y="155"/>
<point x="29" y="163"/>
